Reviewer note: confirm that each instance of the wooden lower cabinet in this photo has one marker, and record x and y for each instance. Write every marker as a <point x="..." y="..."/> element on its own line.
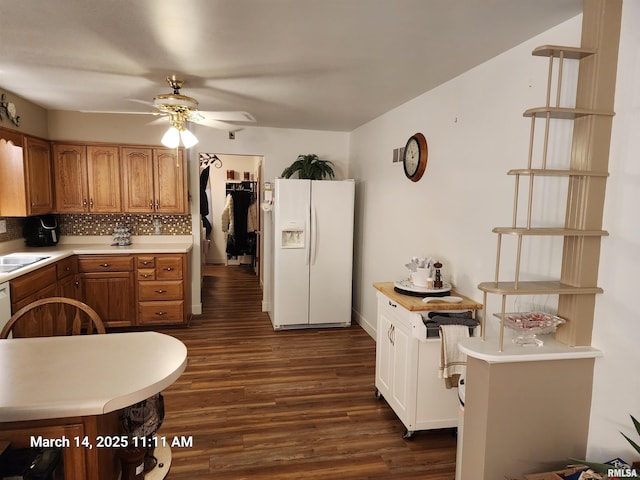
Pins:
<point x="107" y="284"/>
<point x="78" y="462"/>
<point x="125" y="290"/>
<point x="68" y="281"/>
<point x="28" y="288"/>
<point x="162" y="289"/>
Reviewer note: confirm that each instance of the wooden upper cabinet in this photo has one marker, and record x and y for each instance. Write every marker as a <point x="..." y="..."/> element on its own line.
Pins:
<point x="39" y="176"/>
<point x="26" y="184"/>
<point x="154" y="180"/>
<point x="70" y="169"/>
<point x="137" y="180"/>
<point x="103" y="179"/>
<point x="87" y="178"/>
<point x="170" y="181"/>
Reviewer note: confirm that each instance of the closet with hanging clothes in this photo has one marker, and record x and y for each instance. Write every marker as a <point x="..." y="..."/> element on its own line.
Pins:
<point x="240" y="222"/>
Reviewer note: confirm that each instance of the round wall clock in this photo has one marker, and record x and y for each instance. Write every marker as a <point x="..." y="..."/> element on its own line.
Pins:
<point x="415" y="157"/>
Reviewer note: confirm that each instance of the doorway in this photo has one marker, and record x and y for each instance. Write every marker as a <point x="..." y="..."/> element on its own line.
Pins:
<point x="219" y="175"/>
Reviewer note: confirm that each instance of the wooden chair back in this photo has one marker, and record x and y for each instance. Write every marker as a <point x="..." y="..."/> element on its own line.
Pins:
<point x="53" y="316"/>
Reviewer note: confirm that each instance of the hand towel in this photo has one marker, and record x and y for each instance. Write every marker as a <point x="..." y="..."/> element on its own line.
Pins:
<point x="452" y="361"/>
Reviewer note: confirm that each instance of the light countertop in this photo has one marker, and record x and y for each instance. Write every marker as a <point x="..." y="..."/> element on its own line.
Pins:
<point x="94" y="245"/>
<point x="551" y="350"/>
<point x="57" y="377"/>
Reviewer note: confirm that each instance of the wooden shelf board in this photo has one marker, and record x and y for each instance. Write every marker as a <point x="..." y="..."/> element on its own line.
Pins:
<point x="574" y="53"/>
<point x="556" y="172"/>
<point x="536" y="288"/>
<point x="564" y="113"/>
<point x="551" y="231"/>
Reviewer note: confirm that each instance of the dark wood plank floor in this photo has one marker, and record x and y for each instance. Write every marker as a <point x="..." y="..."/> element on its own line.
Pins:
<point x="284" y="405"/>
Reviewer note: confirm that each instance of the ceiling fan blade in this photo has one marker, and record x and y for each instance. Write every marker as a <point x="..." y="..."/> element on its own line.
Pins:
<point x="230" y="116"/>
<point x="120" y="113"/>
<point x="210" y="122"/>
<point x="160" y="120"/>
<point x="143" y="102"/>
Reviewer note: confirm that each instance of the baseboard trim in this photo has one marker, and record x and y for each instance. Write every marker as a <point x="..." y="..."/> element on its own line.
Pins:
<point x="365" y="324"/>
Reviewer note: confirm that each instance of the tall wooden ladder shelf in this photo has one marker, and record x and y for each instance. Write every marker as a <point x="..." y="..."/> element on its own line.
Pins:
<point x="577" y="178"/>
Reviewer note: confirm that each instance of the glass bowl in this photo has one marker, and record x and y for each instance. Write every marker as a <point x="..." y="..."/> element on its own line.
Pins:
<point x="528" y="325"/>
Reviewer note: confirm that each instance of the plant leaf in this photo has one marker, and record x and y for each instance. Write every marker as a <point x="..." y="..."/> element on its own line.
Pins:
<point x="310" y="167"/>
<point x="633" y="444"/>
<point x="597" y="467"/>
<point x="636" y="423"/>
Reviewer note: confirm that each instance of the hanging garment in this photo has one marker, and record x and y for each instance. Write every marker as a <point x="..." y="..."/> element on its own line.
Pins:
<point x="241" y="202"/>
<point x="227" y="216"/>
<point x="204" y="201"/>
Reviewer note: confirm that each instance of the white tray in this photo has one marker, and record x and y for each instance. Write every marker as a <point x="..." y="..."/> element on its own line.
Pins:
<point x="407" y="285"/>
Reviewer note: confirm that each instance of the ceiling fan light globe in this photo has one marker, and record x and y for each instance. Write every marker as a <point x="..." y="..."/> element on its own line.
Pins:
<point x="188" y="138"/>
<point x="171" y="138"/>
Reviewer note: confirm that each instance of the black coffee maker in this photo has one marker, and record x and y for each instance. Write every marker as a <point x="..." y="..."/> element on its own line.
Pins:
<point x="41" y="231"/>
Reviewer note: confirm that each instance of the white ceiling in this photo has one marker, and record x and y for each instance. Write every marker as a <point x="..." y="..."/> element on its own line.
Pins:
<point x="316" y="64"/>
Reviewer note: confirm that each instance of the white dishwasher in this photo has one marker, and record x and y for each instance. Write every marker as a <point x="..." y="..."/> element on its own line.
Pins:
<point x="5" y="304"/>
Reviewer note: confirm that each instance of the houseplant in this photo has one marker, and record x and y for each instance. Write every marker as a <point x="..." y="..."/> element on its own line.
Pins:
<point x="606" y="468"/>
<point x="309" y="167"/>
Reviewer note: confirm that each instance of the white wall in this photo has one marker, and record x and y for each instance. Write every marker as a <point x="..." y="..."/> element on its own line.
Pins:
<point x="617" y="331"/>
<point x="476" y="133"/>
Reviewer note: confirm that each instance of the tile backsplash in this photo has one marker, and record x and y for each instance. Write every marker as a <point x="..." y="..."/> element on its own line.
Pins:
<point x="94" y="224"/>
<point x="14" y="229"/>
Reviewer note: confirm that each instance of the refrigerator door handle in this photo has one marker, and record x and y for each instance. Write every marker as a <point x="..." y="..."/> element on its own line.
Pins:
<point x="307" y="246"/>
<point x="314" y="235"/>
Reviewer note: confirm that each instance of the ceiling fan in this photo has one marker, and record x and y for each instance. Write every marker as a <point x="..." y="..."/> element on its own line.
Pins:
<point x="181" y="109"/>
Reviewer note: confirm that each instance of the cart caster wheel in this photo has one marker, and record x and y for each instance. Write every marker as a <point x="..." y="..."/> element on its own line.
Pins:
<point x="378" y="394"/>
<point x="408" y="435"/>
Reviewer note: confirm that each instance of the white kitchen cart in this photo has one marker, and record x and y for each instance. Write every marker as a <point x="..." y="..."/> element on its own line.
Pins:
<point x="407" y="362"/>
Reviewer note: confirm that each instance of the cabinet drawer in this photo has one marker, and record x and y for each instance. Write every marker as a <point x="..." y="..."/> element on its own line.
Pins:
<point x="168" y="268"/>
<point x="66" y="266"/>
<point x="160" y="290"/>
<point x="145" y="262"/>
<point x="145" y="274"/>
<point x="46" y="292"/>
<point x="32" y="282"/>
<point x="161" y="312"/>
<point x="105" y="263"/>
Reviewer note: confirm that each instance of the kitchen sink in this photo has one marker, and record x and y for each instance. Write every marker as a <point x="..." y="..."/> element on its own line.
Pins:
<point x="11" y="262"/>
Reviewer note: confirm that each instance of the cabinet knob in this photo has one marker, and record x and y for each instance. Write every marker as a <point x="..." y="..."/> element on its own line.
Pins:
<point x="105" y="265"/>
<point x="160" y="291"/>
<point x="145" y="275"/>
<point x="151" y="204"/>
<point x="168" y="269"/>
<point x="160" y="313"/>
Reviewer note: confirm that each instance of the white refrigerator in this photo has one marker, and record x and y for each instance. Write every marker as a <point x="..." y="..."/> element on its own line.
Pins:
<point x="313" y="253"/>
